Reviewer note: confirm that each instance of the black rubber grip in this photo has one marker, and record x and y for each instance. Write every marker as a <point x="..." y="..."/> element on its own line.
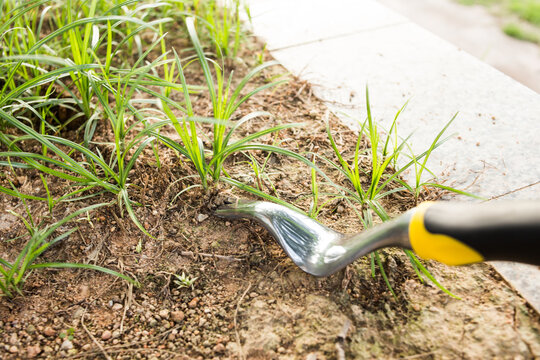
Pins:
<point x="502" y="230"/>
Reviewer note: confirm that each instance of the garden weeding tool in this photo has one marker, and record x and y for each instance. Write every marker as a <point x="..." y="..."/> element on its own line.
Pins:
<point x="452" y="233"/>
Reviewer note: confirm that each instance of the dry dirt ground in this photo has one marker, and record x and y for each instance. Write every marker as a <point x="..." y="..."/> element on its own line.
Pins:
<point x="249" y="301"/>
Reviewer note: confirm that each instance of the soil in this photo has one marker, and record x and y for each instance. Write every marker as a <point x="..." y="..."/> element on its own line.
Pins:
<point x="248" y="299"/>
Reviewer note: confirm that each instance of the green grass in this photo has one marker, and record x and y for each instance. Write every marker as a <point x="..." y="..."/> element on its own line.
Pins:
<point x="367" y="187"/>
<point x="521" y="18"/>
<point x="77" y="163"/>
<point x="217" y="22"/>
<point x="14" y="273"/>
<point x="528" y="10"/>
<point x="226" y="99"/>
<point x="516" y="31"/>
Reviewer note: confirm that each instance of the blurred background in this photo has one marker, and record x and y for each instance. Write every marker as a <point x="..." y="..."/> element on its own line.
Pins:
<point x="502" y="33"/>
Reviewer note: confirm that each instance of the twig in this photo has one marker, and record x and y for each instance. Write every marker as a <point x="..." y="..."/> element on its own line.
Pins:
<point x="222" y="257"/>
<point x="103" y="351"/>
<point x="120" y="223"/>
<point x="236" y="324"/>
<point x="297" y="95"/>
<point x="340" y="341"/>
<point x="512" y="191"/>
<point x="418" y="356"/>
<point x="127" y="304"/>
<point x="124" y="347"/>
<point x="94" y="254"/>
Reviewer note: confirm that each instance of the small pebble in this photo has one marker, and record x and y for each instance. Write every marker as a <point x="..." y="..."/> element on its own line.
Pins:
<point x="193" y="303"/>
<point x="106" y="335"/>
<point x="49" y="331"/>
<point x="66" y="345"/>
<point x="177" y="316"/>
<point x="164" y="314"/>
<point x="202" y="217"/>
<point x="77" y="314"/>
<point x="117" y="307"/>
<point x="219" y="348"/>
<point x="33" y="351"/>
<point x="30" y="329"/>
<point x="13" y="349"/>
<point x="84" y="292"/>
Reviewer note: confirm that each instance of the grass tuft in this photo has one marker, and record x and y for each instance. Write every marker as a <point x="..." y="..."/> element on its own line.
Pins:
<point x="14" y="273"/>
<point x="518" y="32"/>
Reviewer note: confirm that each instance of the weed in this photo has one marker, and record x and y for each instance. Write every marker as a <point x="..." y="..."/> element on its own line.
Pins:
<point x="31" y="64"/>
<point x="13" y="274"/>
<point x="225" y="101"/>
<point x="528" y="10"/>
<point x="218" y="22"/>
<point x="67" y="334"/>
<point x="521" y="17"/>
<point x="370" y="186"/>
<point x="184" y="281"/>
<point x="516" y="31"/>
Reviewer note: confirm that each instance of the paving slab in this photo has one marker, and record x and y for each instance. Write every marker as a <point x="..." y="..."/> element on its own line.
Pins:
<point x="497" y="144"/>
<point x="312" y="21"/>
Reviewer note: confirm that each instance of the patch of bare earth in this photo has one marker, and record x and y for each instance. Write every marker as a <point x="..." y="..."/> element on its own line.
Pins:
<point x="249" y="300"/>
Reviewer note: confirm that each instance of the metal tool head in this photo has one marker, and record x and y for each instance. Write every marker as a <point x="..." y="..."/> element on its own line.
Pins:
<point x="316" y="249"/>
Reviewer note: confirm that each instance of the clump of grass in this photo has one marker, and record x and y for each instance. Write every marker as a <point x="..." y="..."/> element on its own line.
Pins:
<point x="217" y="22"/>
<point x="84" y="62"/>
<point x="88" y="165"/>
<point x="521" y="17"/>
<point x="184" y="281"/>
<point x="224" y="26"/>
<point x="14" y="273"/>
<point x="226" y="99"/>
<point x="369" y="177"/>
<point x="77" y="163"/>
<point x="36" y="60"/>
<point x="528" y="10"/>
<point x="516" y="31"/>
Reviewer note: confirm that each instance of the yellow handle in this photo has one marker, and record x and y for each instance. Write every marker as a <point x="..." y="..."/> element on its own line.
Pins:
<point x="440" y="247"/>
